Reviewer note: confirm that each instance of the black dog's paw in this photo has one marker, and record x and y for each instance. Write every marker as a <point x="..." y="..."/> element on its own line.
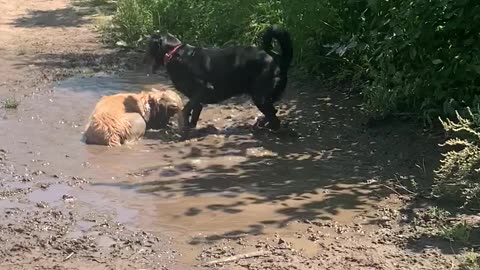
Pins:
<point x="263" y="125"/>
<point x="274" y="125"/>
<point x="261" y="122"/>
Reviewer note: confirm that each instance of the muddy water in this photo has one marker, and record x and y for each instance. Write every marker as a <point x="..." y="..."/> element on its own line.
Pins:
<point x="220" y="185"/>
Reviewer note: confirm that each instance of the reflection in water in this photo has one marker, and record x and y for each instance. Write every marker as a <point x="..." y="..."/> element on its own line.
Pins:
<point x="104" y="84"/>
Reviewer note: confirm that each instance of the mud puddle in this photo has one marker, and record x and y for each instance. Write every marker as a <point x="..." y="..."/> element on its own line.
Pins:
<point x="226" y="184"/>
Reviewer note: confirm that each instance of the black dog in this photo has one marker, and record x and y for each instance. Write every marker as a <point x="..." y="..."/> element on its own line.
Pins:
<point x="212" y="75"/>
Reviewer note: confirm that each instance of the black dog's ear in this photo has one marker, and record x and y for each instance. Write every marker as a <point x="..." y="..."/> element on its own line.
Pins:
<point x="152" y="48"/>
<point x="154" y="38"/>
<point x="160" y="32"/>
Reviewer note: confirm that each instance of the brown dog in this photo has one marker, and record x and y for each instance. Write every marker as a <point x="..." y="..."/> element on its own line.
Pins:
<point x="124" y="118"/>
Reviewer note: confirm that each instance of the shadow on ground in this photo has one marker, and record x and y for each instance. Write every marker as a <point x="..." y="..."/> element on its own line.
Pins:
<point x="444" y="225"/>
<point x="61" y="66"/>
<point x="336" y="164"/>
<point x="64" y="17"/>
<point x="72" y="16"/>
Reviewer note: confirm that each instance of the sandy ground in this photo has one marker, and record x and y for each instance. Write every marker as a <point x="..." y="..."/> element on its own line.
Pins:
<point x="310" y="199"/>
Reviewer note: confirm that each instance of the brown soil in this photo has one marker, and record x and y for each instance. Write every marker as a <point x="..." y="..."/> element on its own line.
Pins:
<point x="313" y="196"/>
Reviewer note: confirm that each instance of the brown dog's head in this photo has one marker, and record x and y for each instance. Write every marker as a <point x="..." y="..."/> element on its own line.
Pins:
<point x="164" y="104"/>
<point x="158" y="45"/>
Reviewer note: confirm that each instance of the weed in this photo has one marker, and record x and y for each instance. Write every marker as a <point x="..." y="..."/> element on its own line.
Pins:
<point x="459" y="232"/>
<point x="10" y="103"/>
<point x="437" y="213"/>
<point x="432" y="218"/>
<point x="435" y="221"/>
<point x="414" y="185"/>
<point x="471" y="261"/>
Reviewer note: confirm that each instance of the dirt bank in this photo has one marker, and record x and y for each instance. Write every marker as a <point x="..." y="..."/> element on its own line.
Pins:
<point x="313" y="201"/>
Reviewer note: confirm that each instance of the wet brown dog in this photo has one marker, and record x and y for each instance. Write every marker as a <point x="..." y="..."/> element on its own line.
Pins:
<point x="124" y="118"/>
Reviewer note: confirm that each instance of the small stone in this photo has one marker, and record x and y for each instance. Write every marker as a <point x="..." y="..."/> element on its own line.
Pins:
<point x="42" y="205"/>
<point x="68" y="198"/>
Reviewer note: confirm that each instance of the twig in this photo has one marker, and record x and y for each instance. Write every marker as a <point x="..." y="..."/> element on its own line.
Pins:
<point x="451" y="248"/>
<point x="69" y="256"/>
<point x="406" y="189"/>
<point x="238" y="257"/>
<point x="399" y="184"/>
<point x="396" y="192"/>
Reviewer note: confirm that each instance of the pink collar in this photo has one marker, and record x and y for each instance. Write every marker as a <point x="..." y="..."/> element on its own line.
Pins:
<point x="168" y="56"/>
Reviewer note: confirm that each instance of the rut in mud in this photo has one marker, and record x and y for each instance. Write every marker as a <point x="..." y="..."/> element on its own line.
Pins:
<point x="312" y="199"/>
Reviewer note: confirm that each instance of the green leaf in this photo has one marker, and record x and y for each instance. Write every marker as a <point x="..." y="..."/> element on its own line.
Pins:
<point x="437" y="61"/>
<point x="475" y="68"/>
<point x="413" y="53"/>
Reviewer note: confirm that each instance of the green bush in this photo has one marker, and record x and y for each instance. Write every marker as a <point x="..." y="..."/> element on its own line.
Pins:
<point x="458" y="178"/>
<point x="220" y="23"/>
<point x="418" y="56"/>
<point x="423" y="56"/>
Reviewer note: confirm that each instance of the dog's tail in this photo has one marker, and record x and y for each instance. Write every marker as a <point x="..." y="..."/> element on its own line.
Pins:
<point x="284" y="59"/>
<point x="285" y="42"/>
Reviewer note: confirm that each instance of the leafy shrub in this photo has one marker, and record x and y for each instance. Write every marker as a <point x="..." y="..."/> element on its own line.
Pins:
<point x="132" y="20"/>
<point x="423" y="56"/>
<point x="458" y="177"/>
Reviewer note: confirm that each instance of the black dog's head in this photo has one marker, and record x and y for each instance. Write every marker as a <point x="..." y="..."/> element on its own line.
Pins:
<point x="158" y="45"/>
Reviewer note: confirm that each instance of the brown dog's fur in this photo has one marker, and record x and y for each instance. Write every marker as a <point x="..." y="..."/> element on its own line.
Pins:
<point x="167" y="103"/>
<point x="123" y="118"/>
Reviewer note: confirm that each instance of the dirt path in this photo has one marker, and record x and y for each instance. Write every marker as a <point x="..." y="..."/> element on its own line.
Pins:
<point x="313" y="201"/>
<point x="44" y="41"/>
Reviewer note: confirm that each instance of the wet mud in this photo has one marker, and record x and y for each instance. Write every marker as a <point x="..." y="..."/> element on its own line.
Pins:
<point x="225" y="183"/>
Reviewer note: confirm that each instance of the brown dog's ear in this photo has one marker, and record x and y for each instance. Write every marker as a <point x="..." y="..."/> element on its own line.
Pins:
<point x="153" y="102"/>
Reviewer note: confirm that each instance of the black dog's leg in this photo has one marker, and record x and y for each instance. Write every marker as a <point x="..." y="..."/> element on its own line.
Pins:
<point x="191" y="113"/>
<point x="187" y="111"/>
<point x="197" y="109"/>
<point x="270" y="113"/>
<point x="195" y="105"/>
